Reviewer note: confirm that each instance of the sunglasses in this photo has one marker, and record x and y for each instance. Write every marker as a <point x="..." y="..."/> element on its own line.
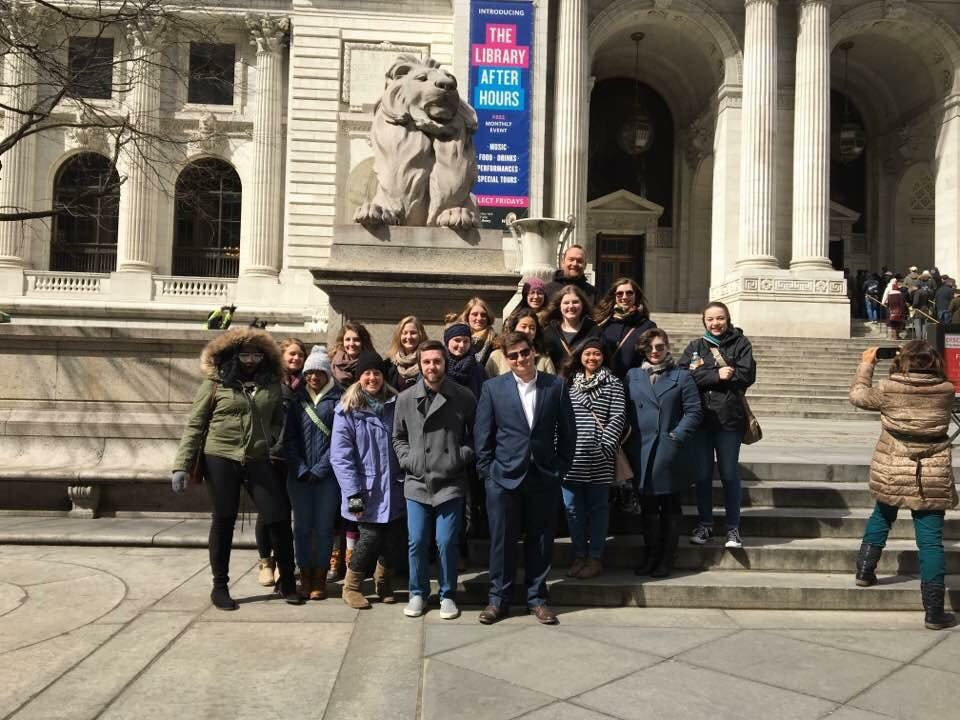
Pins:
<point x="658" y="347"/>
<point x="518" y="354"/>
<point x="248" y="357"/>
<point x="623" y="293"/>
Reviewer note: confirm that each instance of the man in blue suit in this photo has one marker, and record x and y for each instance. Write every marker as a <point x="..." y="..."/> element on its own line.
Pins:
<point x="525" y="434"/>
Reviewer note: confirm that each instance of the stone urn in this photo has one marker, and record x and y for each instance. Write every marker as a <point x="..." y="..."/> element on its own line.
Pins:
<point x="540" y="243"/>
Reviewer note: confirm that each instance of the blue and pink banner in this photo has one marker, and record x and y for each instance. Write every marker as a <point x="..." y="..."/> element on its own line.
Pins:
<point x="501" y="43"/>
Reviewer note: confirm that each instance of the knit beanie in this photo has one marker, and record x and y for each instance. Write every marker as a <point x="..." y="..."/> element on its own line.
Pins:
<point x="456" y="330"/>
<point x="533" y="283"/>
<point x="590" y="342"/>
<point x="318" y="360"/>
<point x="368" y="360"/>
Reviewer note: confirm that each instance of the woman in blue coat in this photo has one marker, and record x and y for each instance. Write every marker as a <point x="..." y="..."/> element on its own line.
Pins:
<point x="663" y="408"/>
<point x="370" y="480"/>
<point x="311" y="485"/>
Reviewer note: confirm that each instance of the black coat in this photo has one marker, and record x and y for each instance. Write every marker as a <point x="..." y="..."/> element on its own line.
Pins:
<point x="722" y="406"/>
<point x="553" y="341"/>
<point x="623" y="355"/>
<point x="942" y="298"/>
<point x="559" y="281"/>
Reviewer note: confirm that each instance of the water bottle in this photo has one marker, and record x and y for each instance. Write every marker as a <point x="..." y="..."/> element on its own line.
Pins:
<point x="695" y="360"/>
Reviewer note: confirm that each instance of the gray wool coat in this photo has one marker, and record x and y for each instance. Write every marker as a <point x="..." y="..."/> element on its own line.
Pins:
<point x="435" y="445"/>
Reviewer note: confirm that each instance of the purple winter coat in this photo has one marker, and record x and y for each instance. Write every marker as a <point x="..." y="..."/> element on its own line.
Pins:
<point x="361" y="453"/>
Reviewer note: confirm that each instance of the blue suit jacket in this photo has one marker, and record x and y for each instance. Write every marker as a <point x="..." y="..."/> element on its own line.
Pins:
<point x="506" y="446"/>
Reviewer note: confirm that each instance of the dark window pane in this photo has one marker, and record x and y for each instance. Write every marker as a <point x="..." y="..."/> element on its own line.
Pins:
<point x="90" y="63"/>
<point x="87" y="200"/>
<point x="207" y="220"/>
<point x="211" y="74"/>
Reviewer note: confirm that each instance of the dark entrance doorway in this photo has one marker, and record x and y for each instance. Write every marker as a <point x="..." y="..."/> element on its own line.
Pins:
<point x="619" y="256"/>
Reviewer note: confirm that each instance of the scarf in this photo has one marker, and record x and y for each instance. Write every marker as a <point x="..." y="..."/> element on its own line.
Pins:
<point x="624" y="314"/>
<point x="374" y="404"/>
<point x="587" y="389"/>
<point x="294" y="381"/>
<point x="656" y="371"/>
<point x="461" y="369"/>
<point x="480" y="343"/>
<point x="715" y="339"/>
<point x="344" y="369"/>
<point x="406" y="364"/>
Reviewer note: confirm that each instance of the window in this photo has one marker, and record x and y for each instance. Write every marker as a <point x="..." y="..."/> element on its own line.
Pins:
<point x="207" y="220"/>
<point x="211" y="73"/>
<point x="86" y="195"/>
<point x="90" y="64"/>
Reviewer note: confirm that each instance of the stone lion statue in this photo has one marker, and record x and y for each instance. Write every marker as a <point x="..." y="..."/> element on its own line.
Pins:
<point x="424" y="158"/>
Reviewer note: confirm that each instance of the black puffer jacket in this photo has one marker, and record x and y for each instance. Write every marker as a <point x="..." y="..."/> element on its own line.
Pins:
<point x="559" y="282"/>
<point x="619" y="349"/>
<point x="722" y="407"/>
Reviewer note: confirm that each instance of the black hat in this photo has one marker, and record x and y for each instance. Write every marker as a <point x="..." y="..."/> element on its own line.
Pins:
<point x="590" y="342"/>
<point x="368" y="360"/>
<point x="456" y="330"/>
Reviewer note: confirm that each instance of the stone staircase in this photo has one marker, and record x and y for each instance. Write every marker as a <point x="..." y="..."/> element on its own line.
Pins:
<point x="801" y="528"/>
<point x="796" y="377"/>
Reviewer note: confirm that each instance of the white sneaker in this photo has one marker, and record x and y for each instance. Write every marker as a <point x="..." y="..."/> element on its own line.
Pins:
<point x="415" y="607"/>
<point x="449" y="609"/>
<point x="733" y="539"/>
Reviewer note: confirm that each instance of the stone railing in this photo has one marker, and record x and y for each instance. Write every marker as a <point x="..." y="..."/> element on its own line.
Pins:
<point x="43" y="282"/>
<point x="193" y="288"/>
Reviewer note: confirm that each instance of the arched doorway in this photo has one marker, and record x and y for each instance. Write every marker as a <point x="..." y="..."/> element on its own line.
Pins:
<point x="86" y="195"/>
<point x="208" y="200"/>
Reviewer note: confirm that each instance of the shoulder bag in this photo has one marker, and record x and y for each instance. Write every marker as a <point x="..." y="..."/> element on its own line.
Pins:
<point x="751" y="432"/>
<point x="624" y="471"/>
<point x="197" y="468"/>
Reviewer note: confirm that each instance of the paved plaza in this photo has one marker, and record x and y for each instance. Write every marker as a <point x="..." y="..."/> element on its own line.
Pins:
<point x="100" y="632"/>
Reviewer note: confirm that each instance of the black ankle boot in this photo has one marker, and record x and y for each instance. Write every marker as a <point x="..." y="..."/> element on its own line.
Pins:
<point x="867" y="561"/>
<point x="670" y="527"/>
<point x="933" y="594"/>
<point x="652" y="548"/>
<point x="220" y="597"/>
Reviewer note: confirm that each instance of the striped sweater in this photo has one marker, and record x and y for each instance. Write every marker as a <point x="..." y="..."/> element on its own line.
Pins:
<point x="594" y="458"/>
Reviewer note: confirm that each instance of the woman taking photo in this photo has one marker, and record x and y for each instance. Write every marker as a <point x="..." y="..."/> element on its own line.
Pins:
<point x="477" y="316"/>
<point x="462" y="365"/>
<point x="352" y="340"/>
<point x="523" y="321"/>
<point x="599" y="410"/>
<point x="623" y="316"/>
<point x="240" y="405"/>
<point x="911" y="466"/>
<point x="663" y="406"/>
<point x="311" y="485"/>
<point x="401" y="358"/>
<point x="371" y="484"/>
<point x="292" y="353"/>
<point x="723" y="367"/>
<point x="568" y="323"/>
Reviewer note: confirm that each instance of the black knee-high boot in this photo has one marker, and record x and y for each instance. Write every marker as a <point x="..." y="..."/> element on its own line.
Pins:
<point x="281" y="538"/>
<point x="219" y="546"/>
<point x="652" y="544"/>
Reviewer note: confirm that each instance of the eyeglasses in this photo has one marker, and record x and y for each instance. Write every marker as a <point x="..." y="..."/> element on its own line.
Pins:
<point x="250" y="357"/>
<point x="518" y="354"/>
<point x="623" y="293"/>
<point x="658" y="347"/>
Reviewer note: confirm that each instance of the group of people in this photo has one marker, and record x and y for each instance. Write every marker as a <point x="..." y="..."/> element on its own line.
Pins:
<point x="444" y="438"/>
<point x="910" y="301"/>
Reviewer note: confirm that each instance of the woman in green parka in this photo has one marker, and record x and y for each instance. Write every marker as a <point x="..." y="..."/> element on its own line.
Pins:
<point x="241" y="399"/>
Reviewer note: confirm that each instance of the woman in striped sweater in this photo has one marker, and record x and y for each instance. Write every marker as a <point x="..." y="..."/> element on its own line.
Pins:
<point x="599" y="406"/>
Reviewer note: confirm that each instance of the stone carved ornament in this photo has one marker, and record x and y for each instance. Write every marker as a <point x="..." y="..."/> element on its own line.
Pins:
<point x="424" y="158"/>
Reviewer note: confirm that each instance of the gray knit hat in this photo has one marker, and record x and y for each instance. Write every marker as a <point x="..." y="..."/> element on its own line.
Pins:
<point x="318" y="360"/>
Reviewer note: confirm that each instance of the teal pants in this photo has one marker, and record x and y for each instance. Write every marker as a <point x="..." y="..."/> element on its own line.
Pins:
<point x="928" y="528"/>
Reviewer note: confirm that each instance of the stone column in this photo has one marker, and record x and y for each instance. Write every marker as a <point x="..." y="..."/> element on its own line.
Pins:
<point x="21" y="21"/>
<point x="758" y="142"/>
<point x="811" y="140"/>
<point x="570" y="116"/>
<point x="261" y="248"/>
<point x="139" y="193"/>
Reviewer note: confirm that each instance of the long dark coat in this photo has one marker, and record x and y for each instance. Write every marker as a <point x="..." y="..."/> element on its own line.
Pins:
<point x="670" y="407"/>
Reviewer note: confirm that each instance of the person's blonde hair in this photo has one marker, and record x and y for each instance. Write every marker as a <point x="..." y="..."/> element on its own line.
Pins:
<point x="353" y="400"/>
<point x="489" y="335"/>
<point x="395" y="346"/>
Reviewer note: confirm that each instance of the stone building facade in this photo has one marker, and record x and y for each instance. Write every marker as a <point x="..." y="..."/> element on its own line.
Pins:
<point x="750" y="201"/>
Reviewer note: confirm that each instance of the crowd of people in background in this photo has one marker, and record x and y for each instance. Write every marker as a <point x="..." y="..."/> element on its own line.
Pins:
<point x="483" y="434"/>
<point x="908" y="303"/>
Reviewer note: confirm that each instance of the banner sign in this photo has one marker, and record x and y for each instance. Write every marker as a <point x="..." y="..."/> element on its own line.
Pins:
<point x="501" y="42"/>
<point x="950" y="347"/>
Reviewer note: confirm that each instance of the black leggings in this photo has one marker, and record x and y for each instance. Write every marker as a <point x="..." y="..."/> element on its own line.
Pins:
<point x="225" y="480"/>
<point x="260" y="529"/>
<point x="378" y="542"/>
<point x="661" y="504"/>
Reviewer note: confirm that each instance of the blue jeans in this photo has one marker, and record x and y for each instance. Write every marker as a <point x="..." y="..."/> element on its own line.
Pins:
<point x="928" y="529"/>
<point x="423" y="521"/>
<point x="872" y="309"/>
<point x="725" y="446"/>
<point x="315" y="509"/>
<point x="587" y="503"/>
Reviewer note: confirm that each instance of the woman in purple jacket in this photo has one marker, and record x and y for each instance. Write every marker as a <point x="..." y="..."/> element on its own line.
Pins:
<point x="371" y="484"/>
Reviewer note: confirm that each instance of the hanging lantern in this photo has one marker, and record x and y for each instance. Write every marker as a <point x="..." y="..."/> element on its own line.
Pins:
<point x="851" y="140"/>
<point x="636" y="134"/>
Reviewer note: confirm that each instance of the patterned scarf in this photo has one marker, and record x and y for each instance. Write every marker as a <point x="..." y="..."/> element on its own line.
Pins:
<point x="407" y="366"/>
<point x="587" y="389"/>
<point x="656" y="371"/>
<point x="624" y="314"/>
<point x="461" y="369"/>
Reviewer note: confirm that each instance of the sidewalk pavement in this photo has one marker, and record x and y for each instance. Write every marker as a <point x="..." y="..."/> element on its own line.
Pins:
<point x="96" y="632"/>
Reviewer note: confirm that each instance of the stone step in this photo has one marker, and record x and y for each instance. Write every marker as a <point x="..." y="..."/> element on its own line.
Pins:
<point x="798" y="494"/>
<point x="830" y="390"/>
<point x="796" y="400"/>
<point x="820" y="413"/>
<point x="822" y="555"/>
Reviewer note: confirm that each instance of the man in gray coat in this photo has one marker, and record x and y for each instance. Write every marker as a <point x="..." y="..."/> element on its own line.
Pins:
<point x="433" y="440"/>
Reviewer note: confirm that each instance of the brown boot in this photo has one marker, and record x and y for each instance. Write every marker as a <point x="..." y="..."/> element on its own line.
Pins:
<point x="336" y="564"/>
<point x="318" y="584"/>
<point x="383" y="585"/>
<point x="351" y="591"/>
<point x="306" y="581"/>
<point x="265" y="575"/>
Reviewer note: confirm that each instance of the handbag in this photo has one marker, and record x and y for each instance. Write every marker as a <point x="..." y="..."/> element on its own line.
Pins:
<point x="752" y="432"/>
<point x="197" y="468"/>
<point x="623" y="473"/>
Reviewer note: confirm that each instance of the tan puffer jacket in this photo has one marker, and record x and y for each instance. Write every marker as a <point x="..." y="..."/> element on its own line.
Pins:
<point x="917" y="406"/>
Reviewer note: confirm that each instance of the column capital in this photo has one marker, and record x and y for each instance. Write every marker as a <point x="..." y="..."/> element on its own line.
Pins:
<point x="146" y="33"/>
<point x="803" y="3"/>
<point x="748" y="3"/>
<point x="268" y="33"/>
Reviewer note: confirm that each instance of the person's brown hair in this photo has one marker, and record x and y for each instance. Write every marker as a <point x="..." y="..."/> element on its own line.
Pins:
<point x="284" y="344"/>
<point x="515" y="338"/>
<point x="716" y="304"/>
<point x="395" y="346"/>
<point x="365" y="342"/>
<point x="553" y="309"/>
<point x="605" y="307"/>
<point x="646" y="340"/>
<point x="918" y="356"/>
<point x="428" y="345"/>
